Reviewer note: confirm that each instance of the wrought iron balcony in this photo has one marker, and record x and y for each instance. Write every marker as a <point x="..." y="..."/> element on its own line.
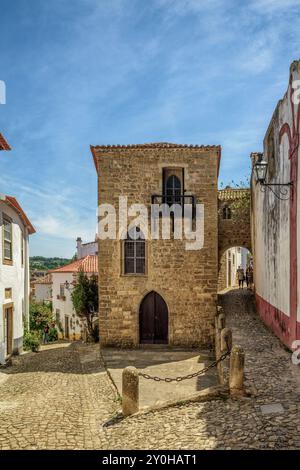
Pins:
<point x="181" y="199"/>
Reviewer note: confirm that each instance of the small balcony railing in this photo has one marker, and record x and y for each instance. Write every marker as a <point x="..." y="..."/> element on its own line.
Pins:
<point x="181" y="199"/>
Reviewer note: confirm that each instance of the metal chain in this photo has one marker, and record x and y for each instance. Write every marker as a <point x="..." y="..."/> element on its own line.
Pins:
<point x="185" y="377"/>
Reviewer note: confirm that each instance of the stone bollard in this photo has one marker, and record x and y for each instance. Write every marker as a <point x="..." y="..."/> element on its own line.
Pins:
<point x="226" y="340"/>
<point x="236" y="372"/>
<point x="130" y="391"/>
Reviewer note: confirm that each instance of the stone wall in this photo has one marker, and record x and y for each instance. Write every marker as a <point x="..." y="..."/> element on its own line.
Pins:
<point x="236" y="230"/>
<point x="187" y="280"/>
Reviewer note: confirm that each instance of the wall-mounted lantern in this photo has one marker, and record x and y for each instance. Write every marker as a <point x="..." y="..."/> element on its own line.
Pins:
<point x="281" y="190"/>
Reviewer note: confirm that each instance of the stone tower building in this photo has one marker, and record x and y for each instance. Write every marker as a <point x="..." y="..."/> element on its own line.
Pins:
<point x="154" y="290"/>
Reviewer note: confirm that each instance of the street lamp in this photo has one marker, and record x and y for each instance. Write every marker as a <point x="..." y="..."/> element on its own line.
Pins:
<point x="261" y="171"/>
<point x="281" y="191"/>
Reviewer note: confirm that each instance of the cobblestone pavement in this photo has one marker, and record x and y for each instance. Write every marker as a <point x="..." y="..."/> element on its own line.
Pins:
<point x="55" y="399"/>
<point x="232" y="423"/>
<point x="60" y="399"/>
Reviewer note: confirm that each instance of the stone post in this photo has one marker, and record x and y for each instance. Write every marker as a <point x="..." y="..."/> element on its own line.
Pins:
<point x="236" y="372"/>
<point x="226" y="340"/>
<point x="130" y="391"/>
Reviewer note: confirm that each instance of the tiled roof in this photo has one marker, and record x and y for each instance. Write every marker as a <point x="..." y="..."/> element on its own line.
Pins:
<point x="10" y="200"/>
<point x="3" y="144"/>
<point x="44" y="280"/>
<point x="153" y="145"/>
<point x="88" y="264"/>
<point x="232" y="193"/>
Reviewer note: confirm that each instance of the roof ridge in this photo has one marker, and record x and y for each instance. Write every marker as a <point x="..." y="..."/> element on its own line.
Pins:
<point x="154" y="145"/>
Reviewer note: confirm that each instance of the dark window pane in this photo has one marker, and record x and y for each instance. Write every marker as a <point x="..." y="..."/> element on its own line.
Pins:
<point x="140" y="265"/>
<point x="129" y="249"/>
<point x="140" y="250"/>
<point x="129" y="266"/>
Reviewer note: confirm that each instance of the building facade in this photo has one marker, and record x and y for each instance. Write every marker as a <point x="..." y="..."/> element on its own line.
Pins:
<point x="85" y="249"/>
<point x="155" y="290"/>
<point x="232" y="259"/>
<point x="70" y="326"/>
<point x="14" y="275"/>
<point x="275" y="222"/>
<point x="42" y="289"/>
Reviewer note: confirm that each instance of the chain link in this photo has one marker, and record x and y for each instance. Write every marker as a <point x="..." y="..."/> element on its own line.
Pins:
<point x="185" y="377"/>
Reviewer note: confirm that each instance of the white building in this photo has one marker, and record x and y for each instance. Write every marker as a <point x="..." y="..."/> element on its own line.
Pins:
<point x="235" y="257"/>
<point x="63" y="280"/>
<point x="85" y="249"/>
<point x="14" y="275"/>
<point x="276" y="218"/>
<point x="43" y="289"/>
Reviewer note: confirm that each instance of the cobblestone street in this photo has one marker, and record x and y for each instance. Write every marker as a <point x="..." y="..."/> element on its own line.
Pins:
<point x="59" y="399"/>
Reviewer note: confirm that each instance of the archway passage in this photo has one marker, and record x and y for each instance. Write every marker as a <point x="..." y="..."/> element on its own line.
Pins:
<point x="234" y="220"/>
<point x="235" y="269"/>
<point x="153" y="320"/>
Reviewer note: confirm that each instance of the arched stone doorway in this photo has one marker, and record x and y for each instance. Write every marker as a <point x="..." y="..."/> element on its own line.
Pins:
<point x="153" y="319"/>
<point x="231" y="260"/>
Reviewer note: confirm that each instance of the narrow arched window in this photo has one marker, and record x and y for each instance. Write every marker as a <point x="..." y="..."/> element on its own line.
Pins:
<point x="173" y="190"/>
<point x="134" y="252"/>
<point x="226" y="212"/>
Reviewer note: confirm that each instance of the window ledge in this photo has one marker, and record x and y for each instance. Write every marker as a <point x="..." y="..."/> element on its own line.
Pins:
<point x="8" y="262"/>
<point x="133" y="275"/>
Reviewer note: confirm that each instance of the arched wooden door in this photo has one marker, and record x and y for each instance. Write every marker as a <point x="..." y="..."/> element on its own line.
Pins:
<point x="153" y="320"/>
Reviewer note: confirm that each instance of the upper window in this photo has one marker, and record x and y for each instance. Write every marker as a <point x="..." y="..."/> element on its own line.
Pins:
<point x="173" y="190"/>
<point x="134" y="252"/>
<point x="7" y="240"/>
<point x="62" y="290"/>
<point x="226" y="212"/>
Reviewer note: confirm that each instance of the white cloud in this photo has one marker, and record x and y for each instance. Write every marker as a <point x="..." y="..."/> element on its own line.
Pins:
<point x="273" y="6"/>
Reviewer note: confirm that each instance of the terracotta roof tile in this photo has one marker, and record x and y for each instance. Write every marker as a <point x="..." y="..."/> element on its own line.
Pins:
<point x="232" y="193"/>
<point x="3" y="144"/>
<point x="88" y="264"/>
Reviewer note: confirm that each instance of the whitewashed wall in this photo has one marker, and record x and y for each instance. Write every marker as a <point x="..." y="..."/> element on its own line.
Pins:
<point x="65" y="306"/>
<point x="43" y="292"/>
<point x="15" y="277"/>
<point x="271" y="228"/>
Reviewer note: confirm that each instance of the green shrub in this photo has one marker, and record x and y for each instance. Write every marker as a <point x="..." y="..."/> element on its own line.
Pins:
<point x="31" y="341"/>
<point x="40" y="315"/>
<point x="53" y="335"/>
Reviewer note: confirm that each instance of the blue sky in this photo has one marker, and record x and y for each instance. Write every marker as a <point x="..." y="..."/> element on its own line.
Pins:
<point x="87" y="72"/>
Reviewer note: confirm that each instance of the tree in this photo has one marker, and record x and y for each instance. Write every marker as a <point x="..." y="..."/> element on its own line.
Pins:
<point x="85" y="302"/>
<point x="40" y="315"/>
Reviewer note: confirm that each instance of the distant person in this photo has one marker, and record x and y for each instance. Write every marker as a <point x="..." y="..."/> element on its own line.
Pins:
<point x="241" y="276"/>
<point x="46" y="334"/>
<point x="248" y="277"/>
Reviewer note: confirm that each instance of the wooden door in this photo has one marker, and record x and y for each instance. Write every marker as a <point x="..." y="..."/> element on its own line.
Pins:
<point x="153" y="320"/>
<point x="67" y="327"/>
<point x="8" y="317"/>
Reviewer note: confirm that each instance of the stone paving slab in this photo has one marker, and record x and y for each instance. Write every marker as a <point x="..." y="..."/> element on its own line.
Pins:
<point x="272" y="408"/>
<point x="162" y="362"/>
